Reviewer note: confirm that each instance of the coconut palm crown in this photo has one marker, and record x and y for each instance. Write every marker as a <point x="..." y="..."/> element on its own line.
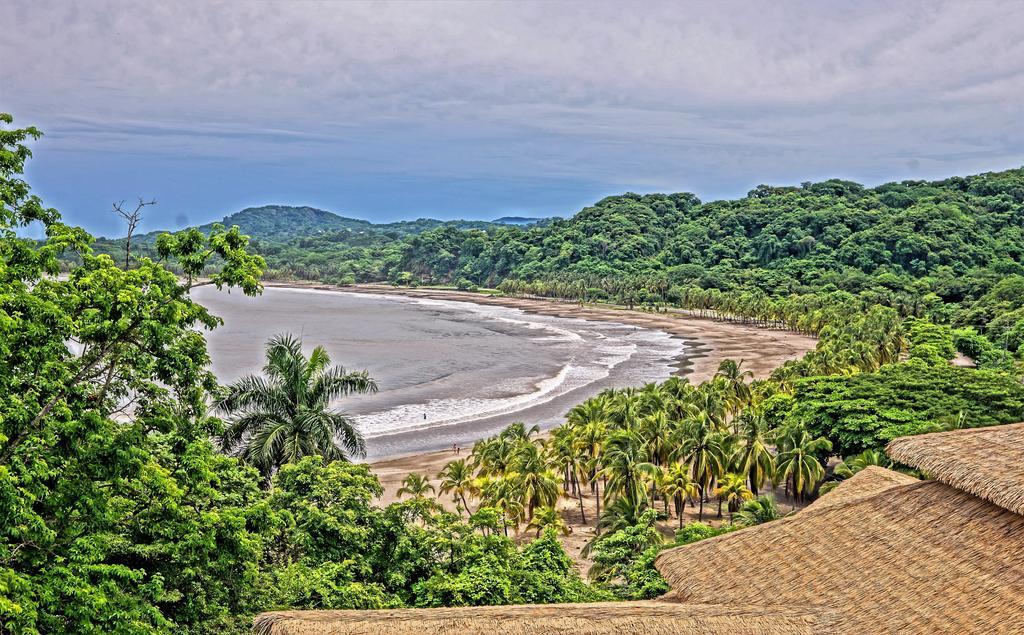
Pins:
<point x="285" y="414"/>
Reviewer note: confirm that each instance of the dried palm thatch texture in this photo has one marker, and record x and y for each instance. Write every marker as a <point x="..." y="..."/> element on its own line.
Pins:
<point x="917" y="558"/>
<point x="613" y="618"/>
<point x="867" y="482"/>
<point x="987" y="462"/>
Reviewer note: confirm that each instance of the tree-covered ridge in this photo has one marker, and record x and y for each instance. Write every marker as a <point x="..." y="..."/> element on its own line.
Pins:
<point x="951" y="237"/>
<point x="280" y="222"/>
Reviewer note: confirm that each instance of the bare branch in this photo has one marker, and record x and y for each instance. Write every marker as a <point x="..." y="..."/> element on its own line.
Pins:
<point x="132" y="218"/>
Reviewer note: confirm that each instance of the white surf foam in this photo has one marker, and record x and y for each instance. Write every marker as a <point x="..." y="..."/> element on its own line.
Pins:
<point x="596" y="355"/>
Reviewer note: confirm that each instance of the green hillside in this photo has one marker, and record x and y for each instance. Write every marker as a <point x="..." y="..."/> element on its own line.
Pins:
<point x="279" y="222"/>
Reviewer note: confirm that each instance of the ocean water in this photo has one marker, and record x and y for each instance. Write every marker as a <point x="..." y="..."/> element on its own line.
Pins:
<point x="448" y="372"/>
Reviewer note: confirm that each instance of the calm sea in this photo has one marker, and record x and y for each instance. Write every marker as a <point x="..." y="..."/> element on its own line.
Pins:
<point x="448" y="372"/>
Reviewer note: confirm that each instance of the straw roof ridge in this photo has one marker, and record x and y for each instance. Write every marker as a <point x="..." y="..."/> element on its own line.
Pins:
<point x="985" y="462"/>
<point x="923" y="557"/>
<point x="869" y="481"/>
<point x="578" y="619"/>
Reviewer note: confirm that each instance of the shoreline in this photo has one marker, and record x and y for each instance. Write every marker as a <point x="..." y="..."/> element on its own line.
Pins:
<point x="707" y="343"/>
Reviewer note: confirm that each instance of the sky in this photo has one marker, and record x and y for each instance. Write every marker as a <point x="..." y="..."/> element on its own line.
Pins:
<point x="390" y="111"/>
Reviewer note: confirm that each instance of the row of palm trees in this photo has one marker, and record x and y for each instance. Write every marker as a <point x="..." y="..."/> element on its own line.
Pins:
<point x="664" y="446"/>
<point x="808" y="313"/>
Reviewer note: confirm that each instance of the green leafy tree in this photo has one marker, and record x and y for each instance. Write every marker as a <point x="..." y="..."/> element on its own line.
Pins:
<point x="116" y="518"/>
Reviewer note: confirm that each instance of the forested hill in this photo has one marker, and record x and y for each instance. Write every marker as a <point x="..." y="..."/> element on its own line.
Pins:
<point x="945" y="235"/>
<point x="952" y="237"/>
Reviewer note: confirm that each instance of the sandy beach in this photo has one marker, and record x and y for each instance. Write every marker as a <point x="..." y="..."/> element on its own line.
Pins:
<point x="708" y="342"/>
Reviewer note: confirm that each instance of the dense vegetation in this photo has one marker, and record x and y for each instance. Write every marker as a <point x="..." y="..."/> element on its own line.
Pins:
<point x="120" y="514"/>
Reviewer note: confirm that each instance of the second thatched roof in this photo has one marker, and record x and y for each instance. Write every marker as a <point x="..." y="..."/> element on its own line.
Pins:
<point x="987" y="462"/>
<point x="867" y="482"/>
<point x="886" y="555"/>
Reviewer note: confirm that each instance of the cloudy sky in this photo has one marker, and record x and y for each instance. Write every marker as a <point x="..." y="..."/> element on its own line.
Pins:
<point x="476" y="110"/>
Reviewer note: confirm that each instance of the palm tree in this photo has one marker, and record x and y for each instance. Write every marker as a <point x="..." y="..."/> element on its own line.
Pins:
<point x="704" y="449"/>
<point x="538" y="486"/>
<point x="285" y="414"/>
<point x="592" y="437"/>
<point x="457" y="478"/>
<point x="518" y="432"/>
<point x="415" y="485"/>
<point x="799" y="463"/>
<point x="732" y="490"/>
<point x="848" y="467"/>
<point x="754" y="459"/>
<point x="623" y="513"/>
<point x="571" y="455"/>
<point x="736" y="387"/>
<point x="655" y="432"/>
<point x="678" y="484"/>
<point x="760" y="510"/>
<point x="549" y="517"/>
<point x="504" y="495"/>
<point x="626" y="466"/>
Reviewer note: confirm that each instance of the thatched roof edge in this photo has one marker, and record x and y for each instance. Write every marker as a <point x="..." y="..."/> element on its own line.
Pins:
<point x="984" y="461"/>
<point x="594" y="618"/>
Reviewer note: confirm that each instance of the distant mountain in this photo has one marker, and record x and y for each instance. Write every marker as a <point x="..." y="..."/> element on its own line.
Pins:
<point x="421" y="225"/>
<point x="520" y="220"/>
<point x="281" y="222"/>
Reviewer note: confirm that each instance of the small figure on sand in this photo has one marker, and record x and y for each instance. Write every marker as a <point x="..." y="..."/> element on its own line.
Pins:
<point x="455" y="449"/>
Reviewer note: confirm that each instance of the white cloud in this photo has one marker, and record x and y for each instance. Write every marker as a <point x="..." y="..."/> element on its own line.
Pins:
<point x="658" y="94"/>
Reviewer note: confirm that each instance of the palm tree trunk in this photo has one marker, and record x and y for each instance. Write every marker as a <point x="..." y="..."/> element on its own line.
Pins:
<point x="583" y="514"/>
<point x="465" y="504"/>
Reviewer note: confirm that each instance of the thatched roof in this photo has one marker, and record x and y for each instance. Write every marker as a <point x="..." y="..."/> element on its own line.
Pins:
<point x="612" y="618"/>
<point x="917" y="558"/>
<point x="867" y="482"/>
<point x="987" y="462"/>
